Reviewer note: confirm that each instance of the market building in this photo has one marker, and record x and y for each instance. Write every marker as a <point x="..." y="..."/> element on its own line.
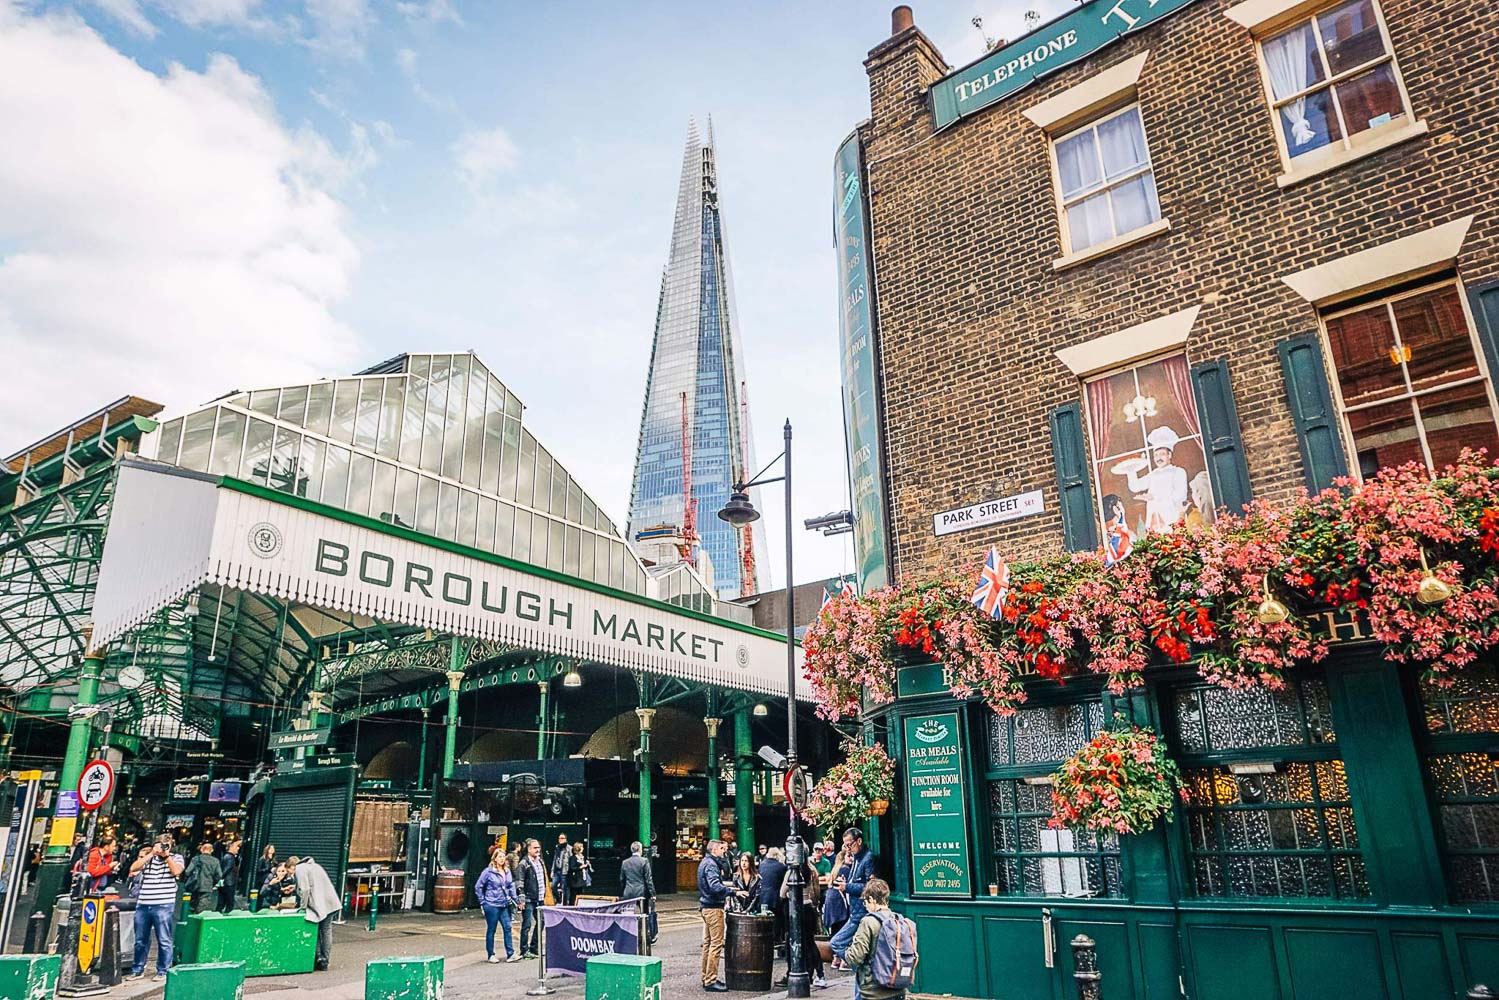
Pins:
<point x="1150" y="261"/>
<point x="374" y="620"/>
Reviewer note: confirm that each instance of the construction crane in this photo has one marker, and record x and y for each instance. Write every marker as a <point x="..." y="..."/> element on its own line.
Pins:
<point x="688" y="548"/>
<point x="747" y="558"/>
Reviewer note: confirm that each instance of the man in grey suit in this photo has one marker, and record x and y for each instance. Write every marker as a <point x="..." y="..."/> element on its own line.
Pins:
<point x="638" y="883"/>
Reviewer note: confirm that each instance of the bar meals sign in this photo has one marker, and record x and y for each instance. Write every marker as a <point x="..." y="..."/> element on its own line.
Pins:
<point x="1064" y="41"/>
<point x="981" y="515"/>
<point x="173" y="531"/>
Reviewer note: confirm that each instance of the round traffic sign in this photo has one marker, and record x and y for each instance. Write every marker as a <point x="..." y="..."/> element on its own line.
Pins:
<point x="95" y="784"/>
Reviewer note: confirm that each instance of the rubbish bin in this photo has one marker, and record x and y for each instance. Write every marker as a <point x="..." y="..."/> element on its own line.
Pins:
<point x="748" y="951"/>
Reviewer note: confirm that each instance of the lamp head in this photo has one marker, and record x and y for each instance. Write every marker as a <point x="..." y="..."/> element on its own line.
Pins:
<point x="739" y="510"/>
<point x="572" y="679"/>
<point x="761" y="711"/>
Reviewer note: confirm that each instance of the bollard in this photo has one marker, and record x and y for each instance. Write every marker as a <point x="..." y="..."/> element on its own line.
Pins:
<point x="374" y="905"/>
<point x="417" y="977"/>
<point x="344" y="909"/>
<point x="627" y="977"/>
<point x="36" y="933"/>
<point x="254" y="900"/>
<point x="213" y="979"/>
<point x="29" y="975"/>
<point x="1480" y="992"/>
<point x="108" y="965"/>
<point x="1085" y="968"/>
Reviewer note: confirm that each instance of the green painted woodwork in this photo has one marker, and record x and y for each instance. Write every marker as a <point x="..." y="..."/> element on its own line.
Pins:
<point x="623" y="977"/>
<point x="417" y="977"/>
<point x="456" y="659"/>
<point x="744" y="773"/>
<point x="1312" y="412"/>
<point x="1405" y="942"/>
<point x="1485" y="302"/>
<point x="29" y="977"/>
<point x="1220" y="435"/>
<point x="219" y="980"/>
<point x="920" y="679"/>
<point x="268" y="943"/>
<point x="1074" y="481"/>
<point x="937" y="803"/>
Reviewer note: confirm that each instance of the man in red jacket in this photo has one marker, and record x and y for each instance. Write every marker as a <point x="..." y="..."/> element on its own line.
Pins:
<point x="101" y="865"/>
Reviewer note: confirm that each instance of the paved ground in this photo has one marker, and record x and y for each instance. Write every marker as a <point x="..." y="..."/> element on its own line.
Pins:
<point x="460" y="940"/>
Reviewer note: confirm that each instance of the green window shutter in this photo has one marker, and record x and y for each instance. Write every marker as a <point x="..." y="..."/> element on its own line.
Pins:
<point x="1074" y="486"/>
<point x="1312" y="412"/>
<point x="1485" y="301"/>
<point x="1221" y="443"/>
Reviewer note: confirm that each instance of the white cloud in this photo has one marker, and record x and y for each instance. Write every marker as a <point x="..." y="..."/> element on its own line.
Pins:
<point x="129" y="14"/>
<point x="406" y="61"/>
<point x="480" y="154"/>
<point x="212" y="13"/>
<point x="339" y="26"/>
<point x="167" y="236"/>
<point x="433" y="11"/>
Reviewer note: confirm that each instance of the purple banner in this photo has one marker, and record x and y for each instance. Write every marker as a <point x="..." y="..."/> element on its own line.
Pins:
<point x="574" y="934"/>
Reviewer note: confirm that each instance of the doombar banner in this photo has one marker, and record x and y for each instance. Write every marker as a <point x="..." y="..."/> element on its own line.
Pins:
<point x="574" y="934"/>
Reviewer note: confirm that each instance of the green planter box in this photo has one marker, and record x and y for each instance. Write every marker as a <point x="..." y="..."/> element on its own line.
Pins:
<point x="219" y="980"/>
<point x="413" y="977"/>
<point x="624" y="977"/>
<point x="270" y="943"/>
<point x="29" y="977"/>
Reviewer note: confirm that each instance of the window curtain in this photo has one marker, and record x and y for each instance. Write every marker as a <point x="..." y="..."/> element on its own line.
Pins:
<point x="1289" y="59"/>
<point x="1100" y="416"/>
<point x="1179" y="377"/>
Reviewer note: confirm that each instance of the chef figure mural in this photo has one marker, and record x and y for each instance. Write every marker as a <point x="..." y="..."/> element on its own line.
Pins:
<point x="1149" y="467"/>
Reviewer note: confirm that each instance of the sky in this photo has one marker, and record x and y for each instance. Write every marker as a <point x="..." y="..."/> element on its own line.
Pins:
<point x="205" y="195"/>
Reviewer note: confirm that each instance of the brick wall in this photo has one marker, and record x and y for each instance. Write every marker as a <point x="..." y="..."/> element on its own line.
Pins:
<point x="966" y="229"/>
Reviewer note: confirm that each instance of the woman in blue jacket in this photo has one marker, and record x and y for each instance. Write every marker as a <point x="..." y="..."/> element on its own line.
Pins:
<point x="498" y="898"/>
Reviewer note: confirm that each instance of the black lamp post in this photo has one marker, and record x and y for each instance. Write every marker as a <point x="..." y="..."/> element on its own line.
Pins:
<point x="739" y="511"/>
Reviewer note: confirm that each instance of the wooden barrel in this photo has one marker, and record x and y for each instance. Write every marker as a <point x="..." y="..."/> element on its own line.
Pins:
<point x="749" y="951"/>
<point x="448" y="892"/>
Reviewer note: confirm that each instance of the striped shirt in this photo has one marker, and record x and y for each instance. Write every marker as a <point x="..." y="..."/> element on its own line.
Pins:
<point x="158" y="884"/>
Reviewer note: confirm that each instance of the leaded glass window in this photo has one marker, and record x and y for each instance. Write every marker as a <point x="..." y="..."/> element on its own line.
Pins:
<point x="1030" y="858"/>
<point x="1269" y="813"/>
<point x="1461" y="745"/>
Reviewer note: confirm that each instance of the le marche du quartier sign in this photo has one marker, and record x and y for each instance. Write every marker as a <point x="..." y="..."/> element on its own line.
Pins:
<point x="1064" y="41"/>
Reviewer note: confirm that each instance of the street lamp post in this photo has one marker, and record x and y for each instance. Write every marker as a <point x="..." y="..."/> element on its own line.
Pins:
<point x="739" y="511"/>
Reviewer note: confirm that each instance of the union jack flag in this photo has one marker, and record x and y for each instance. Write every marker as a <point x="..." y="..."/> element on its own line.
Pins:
<point x="844" y="591"/>
<point x="994" y="584"/>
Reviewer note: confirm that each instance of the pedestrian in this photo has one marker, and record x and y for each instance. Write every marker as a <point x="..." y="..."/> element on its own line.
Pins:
<point x="79" y="852"/>
<point x="860" y="869"/>
<point x="203" y="877"/>
<point x="158" y="868"/>
<point x="533" y="892"/>
<point x="279" y="890"/>
<point x="711" y="894"/>
<point x="315" y="892"/>
<point x="498" y="899"/>
<point x="861" y="947"/>
<point x="561" y="861"/>
<point x="231" y="863"/>
<point x="772" y="874"/>
<point x="812" y="958"/>
<point x="33" y="862"/>
<point x="744" y="887"/>
<point x="266" y="864"/>
<point x="764" y="853"/>
<point x="637" y="882"/>
<point x="834" y="899"/>
<point x="100" y="864"/>
<point x="579" y="873"/>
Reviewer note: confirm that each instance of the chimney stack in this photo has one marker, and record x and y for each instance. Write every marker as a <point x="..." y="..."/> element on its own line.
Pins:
<point x="901" y="20"/>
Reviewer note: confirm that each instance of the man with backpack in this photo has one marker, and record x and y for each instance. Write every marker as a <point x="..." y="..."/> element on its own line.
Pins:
<point x="883" y="950"/>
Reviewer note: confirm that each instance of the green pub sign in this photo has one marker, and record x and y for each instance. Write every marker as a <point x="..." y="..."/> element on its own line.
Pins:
<point x="937" y="798"/>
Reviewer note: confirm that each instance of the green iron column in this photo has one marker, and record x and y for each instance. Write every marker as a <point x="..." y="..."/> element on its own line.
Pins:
<point x="712" y="773"/>
<point x="646" y="716"/>
<point x="545" y="688"/>
<point x="455" y="679"/>
<point x="744" y="780"/>
<point x="52" y="877"/>
<point x="421" y="766"/>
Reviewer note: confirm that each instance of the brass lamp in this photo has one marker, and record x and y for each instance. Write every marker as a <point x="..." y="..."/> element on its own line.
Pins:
<point x="1432" y="589"/>
<point x="1271" y="611"/>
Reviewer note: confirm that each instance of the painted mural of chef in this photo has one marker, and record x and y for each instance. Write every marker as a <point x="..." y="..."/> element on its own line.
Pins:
<point x="1164" y="488"/>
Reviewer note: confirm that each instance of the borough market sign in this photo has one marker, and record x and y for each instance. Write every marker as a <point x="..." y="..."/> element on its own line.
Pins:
<point x="1061" y="43"/>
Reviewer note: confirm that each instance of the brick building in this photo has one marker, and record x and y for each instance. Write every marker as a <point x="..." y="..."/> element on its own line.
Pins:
<point x="1154" y="259"/>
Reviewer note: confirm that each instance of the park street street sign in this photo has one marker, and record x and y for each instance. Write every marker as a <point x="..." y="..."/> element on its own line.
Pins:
<point x="981" y="515"/>
<point x="288" y="739"/>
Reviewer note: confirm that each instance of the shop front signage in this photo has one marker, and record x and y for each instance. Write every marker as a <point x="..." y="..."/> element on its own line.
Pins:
<point x="331" y="760"/>
<point x="186" y="791"/>
<point x="288" y="739"/>
<point x="861" y="391"/>
<point x="937" y="805"/>
<point x="981" y="515"/>
<point x="1061" y="43"/>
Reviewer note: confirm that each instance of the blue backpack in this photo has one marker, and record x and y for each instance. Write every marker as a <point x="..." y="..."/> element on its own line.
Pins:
<point x="894" y="963"/>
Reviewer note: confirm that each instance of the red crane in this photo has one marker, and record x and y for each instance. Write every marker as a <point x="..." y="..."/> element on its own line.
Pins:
<point x="690" y="539"/>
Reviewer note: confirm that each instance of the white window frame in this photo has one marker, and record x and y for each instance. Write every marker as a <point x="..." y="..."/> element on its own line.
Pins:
<point x="1346" y="148"/>
<point x="1388" y="301"/>
<point x="1072" y="254"/>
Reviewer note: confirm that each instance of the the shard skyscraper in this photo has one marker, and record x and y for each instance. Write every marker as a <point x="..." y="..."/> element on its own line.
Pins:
<point x="695" y="399"/>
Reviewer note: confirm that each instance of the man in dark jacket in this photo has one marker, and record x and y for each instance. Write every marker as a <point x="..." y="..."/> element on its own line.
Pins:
<point x="711" y="894"/>
<point x="561" y="865"/>
<point x="230" y="863"/>
<point x="861" y="871"/>
<point x="201" y="879"/>
<point x="532" y="878"/>
<point x="639" y="883"/>
<point x="772" y="874"/>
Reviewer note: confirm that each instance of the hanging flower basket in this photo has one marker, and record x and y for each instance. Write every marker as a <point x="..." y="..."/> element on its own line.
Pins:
<point x="1416" y="556"/>
<point x="1122" y="782"/>
<point x="852" y="790"/>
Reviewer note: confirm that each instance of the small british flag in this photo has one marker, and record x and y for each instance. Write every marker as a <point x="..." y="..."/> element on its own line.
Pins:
<point x="847" y="590"/>
<point x="994" y="584"/>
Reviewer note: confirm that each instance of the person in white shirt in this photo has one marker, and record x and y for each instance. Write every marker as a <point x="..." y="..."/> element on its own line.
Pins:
<point x="1164" y="486"/>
